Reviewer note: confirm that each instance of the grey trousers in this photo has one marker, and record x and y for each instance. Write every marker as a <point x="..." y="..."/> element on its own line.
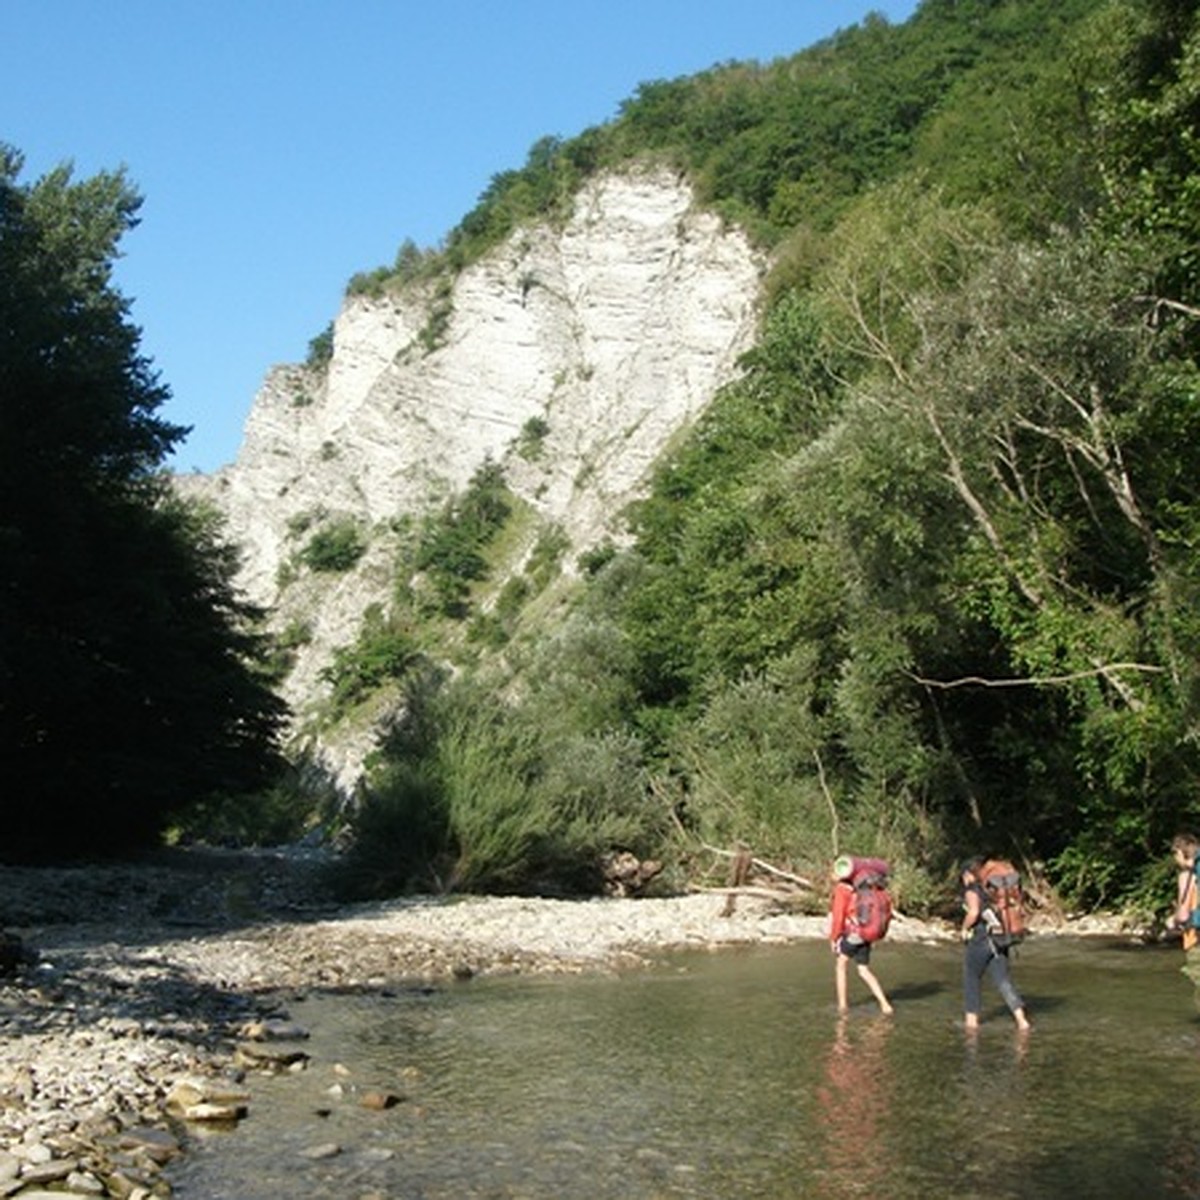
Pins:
<point x="982" y="958"/>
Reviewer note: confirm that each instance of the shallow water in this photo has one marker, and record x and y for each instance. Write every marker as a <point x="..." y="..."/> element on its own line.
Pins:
<point x="730" y="1075"/>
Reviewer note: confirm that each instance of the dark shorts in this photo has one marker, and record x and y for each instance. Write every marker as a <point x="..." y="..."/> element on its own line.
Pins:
<point x="856" y="952"/>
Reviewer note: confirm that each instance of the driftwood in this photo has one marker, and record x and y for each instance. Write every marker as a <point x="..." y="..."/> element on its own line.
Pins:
<point x="760" y="864"/>
<point x="742" y="866"/>
<point x="739" y="871"/>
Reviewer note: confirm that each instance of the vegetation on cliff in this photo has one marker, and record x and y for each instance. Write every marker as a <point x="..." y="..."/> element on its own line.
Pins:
<point x="924" y="578"/>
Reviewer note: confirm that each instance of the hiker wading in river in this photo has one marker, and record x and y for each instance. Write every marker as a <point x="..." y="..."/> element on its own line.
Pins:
<point x="983" y="956"/>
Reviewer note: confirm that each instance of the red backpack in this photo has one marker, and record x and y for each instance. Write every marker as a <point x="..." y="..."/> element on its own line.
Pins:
<point x="872" y="905"/>
<point x="1005" y="914"/>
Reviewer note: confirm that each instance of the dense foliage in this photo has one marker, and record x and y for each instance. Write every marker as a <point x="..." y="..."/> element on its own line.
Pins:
<point x="128" y="688"/>
<point x="924" y="579"/>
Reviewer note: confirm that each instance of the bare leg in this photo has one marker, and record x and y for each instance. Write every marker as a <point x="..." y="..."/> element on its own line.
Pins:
<point x="839" y="977"/>
<point x="868" y="977"/>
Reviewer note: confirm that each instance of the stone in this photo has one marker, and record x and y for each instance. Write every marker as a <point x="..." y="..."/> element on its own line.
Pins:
<point x="194" y="1090"/>
<point x="48" y="1172"/>
<point x="157" y="1144"/>
<point x="266" y="1057"/>
<point x="324" y="1150"/>
<point x="274" y="1031"/>
<point x="211" y="1112"/>
<point x="379" y="1100"/>
<point x="614" y="330"/>
<point x="84" y="1183"/>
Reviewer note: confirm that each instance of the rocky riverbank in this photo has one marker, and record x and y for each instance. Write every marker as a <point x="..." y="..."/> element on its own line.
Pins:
<point x="151" y="993"/>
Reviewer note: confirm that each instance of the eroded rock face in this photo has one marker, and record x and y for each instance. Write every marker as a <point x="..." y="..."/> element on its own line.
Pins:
<point x="613" y="331"/>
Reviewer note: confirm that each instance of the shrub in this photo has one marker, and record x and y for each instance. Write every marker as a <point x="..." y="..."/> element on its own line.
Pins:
<point x="275" y="816"/>
<point x="531" y="440"/>
<point x="320" y="349"/>
<point x="494" y="804"/>
<point x="398" y="835"/>
<point x="381" y="653"/>
<point x="593" y="561"/>
<point x="335" y="548"/>
<point x="450" y="549"/>
<point x="547" y="554"/>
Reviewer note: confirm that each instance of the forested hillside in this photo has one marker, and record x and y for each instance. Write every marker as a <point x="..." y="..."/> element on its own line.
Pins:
<point x="923" y="580"/>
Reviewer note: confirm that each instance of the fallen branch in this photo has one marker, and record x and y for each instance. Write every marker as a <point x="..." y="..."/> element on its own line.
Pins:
<point x="762" y="865"/>
<point x="739" y="872"/>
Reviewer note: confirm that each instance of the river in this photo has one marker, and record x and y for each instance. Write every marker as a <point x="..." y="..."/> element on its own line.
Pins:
<point x="730" y="1075"/>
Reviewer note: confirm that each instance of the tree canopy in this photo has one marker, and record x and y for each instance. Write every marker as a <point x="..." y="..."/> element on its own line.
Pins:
<point x="128" y="678"/>
<point x="923" y="579"/>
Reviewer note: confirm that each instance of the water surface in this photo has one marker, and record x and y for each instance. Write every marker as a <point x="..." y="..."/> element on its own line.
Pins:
<point x="730" y="1075"/>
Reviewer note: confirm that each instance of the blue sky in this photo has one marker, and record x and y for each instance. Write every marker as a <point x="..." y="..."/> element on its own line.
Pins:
<point x="284" y="145"/>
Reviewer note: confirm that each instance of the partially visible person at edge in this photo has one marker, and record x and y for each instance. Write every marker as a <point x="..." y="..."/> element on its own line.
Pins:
<point x="1185" y="847"/>
<point x="983" y="956"/>
<point x="849" y="947"/>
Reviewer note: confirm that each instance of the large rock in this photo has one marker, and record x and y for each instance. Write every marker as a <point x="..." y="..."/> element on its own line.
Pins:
<point x="614" y="330"/>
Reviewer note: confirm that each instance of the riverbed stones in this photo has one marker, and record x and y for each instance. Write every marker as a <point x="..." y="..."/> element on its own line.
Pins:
<point x="148" y="997"/>
<point x="159" y="1145"/>
<point x="47" y="1172"/>
<point x="269" y="1057"/>
<point x="274" y="1030"/>
<point x="209" y="1101"/>
<point x="321" y="1151"/>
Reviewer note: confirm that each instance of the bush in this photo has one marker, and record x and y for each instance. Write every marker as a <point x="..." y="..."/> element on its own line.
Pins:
<point x="335" y="548"/>
<point x="381" y="653"/>
<point x="472" y="795"/>
<point x="532" y="438"/>
<point x="320" y="348"/>
<point x="450" y="549"/>
<point x="276" y="816"/>
<point x="399" y="835"/>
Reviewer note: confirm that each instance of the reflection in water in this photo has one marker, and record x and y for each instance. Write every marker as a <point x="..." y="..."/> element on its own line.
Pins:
<point x="719" y="1077"/>
<point x="993" y="1104"/>
<point x="853" y="1101"/>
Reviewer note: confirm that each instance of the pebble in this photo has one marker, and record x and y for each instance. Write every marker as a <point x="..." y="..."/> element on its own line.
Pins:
<point x="149" y="1001"/>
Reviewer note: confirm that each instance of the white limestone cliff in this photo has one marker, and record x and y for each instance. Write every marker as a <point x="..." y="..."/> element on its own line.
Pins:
<point x="614" y="329"/>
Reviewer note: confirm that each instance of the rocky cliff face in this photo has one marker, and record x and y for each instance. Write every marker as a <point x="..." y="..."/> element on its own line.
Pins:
<point x="613" y="331"/>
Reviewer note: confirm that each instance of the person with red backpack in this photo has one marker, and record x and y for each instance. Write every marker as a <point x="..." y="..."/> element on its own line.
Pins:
<point x="860" y="910"/>
<point x="990" y="925"/>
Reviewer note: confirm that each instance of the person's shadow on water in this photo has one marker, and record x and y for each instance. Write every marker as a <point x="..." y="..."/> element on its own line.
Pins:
<point x="916" y="991"/>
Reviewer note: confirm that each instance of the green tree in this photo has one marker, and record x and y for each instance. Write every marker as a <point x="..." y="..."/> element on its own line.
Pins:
<point x="128" y="678"/>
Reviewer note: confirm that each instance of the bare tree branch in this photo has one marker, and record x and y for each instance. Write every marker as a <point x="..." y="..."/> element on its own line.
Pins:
<point x="1103" y="670"/>
<point x="829" y="799"/>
